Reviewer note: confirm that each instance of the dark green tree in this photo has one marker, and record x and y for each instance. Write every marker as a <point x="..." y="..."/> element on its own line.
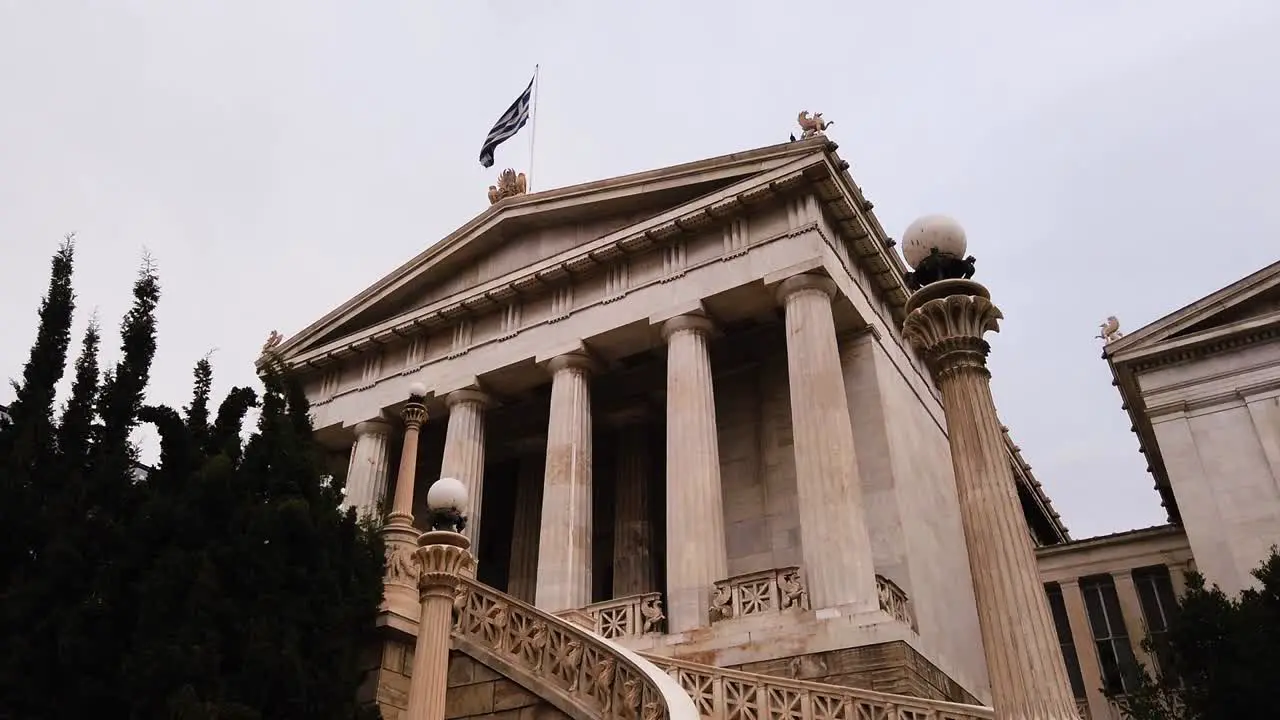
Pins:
<point x="227" y="583"/>
<point x="1220" y="656"/>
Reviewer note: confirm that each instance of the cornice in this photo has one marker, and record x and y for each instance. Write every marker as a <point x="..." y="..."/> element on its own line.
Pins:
<point x="1235" y="336"/>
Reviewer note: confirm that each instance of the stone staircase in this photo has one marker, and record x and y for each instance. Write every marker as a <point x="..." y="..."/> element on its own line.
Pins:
<point x="589" y="677"/>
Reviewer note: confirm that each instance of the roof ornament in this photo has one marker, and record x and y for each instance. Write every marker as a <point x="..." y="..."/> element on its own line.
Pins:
<point x="273" y="341"/>
<point x="509" y="184"/>
<point x="1110" y="331"/>
<point x="812" y="125"/>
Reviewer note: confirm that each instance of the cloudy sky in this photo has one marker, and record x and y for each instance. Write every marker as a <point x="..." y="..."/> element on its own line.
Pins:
<point x="1106" y="157"/>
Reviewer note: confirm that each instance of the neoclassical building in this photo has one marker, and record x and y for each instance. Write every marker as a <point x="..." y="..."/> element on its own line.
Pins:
<point x="690" y="426"/>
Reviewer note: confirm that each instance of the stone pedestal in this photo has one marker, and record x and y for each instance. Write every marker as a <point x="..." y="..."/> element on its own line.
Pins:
<point x="400" y="593"/>
<point x="696" y="556"/>
<point x="369" y="467"/>
<point x="464" y="452"/>
<point x="444" y="558"/>
<point x="564" y="549"/>
<point x="833" y="530"/>
<point x="946" y="321"/>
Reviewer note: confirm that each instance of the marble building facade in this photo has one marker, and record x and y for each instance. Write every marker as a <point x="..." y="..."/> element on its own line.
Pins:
<point x="685" y="412"/>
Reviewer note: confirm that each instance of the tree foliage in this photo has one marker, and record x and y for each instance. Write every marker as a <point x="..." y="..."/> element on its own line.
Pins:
<point x="1220" y="657"/>
<point x="224" y="584"/>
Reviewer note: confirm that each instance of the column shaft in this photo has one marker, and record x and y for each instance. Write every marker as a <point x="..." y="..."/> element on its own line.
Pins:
<point x="564" y="546"/>
<point x="1028" y="676"/>
<point x="523" y="573"/>
<point x="696" y="555"/>
<point x="1086" y="651"/>
<point x="444" y="559"/>
<point x="836" y="545"/>
<point x="368" y="471"/>
<point x="1135" y="624"/>
<point x="400" y="589"/>
<point x="464" y="452"/>
<point x="633" y="560"/>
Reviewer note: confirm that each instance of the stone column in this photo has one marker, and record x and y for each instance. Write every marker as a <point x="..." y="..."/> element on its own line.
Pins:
<point x="696" y="555"/>
<point x="443" y="556"/>
<point x="633" y="557"/>
<point x="1086" y="649"/>
<point x="400" y="594"/>
<point x="836" y="546"/>
<point x="370" y="465"/>
<point x="564" y="545"/>
<point x="1135" y="623"/>
<point x="464" y="452"/>
<point x="523" y="571"/>
<point x="946" y="321"/>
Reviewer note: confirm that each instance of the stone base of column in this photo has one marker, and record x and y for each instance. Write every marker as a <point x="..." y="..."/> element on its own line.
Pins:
<point x="400" y="584"/>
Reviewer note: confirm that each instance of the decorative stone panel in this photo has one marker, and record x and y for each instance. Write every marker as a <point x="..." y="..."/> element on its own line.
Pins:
<point x="757" y="593"/>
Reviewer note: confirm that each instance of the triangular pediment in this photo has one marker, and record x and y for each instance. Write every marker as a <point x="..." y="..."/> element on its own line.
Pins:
<point x="520" y="232"/>
<point x="1241" y="306"/>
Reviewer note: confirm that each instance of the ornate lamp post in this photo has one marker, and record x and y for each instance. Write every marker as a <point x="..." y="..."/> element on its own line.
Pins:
<point x="443" y="556"/>
<point x="946" y="318"/>
<point x="400" y="591"/>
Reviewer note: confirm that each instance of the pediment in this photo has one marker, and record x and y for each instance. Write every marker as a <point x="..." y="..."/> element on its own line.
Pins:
<point x="1240" y="307"/>
<point x="520" y="232"/>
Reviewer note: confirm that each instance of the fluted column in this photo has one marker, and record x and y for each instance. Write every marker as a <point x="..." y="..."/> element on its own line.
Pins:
<point x="836" y="546"/>
<point x="946" y="320"/>
<point x="633" y="557"/>
<point x="696" y="555"/>
<point x="369" y="468"/>
<point x="444" y="558"/>
<point x="400" y="591"/>
<point x="464" y="452"/>
<point x="564" y="546"/>
<point x="523" y="572"/>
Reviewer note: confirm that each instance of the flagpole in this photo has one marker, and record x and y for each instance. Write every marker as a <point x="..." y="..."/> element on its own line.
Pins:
<point x="533" y="128"/>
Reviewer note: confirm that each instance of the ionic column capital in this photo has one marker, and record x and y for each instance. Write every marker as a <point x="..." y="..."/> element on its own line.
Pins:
<point x="698" y="324"/>
<point x="468" y="395"/>
<point x="371" y="427"/>
<point x="579" y="361"/>
<point x="948" y="330"/>
<point x="805" y="283"/>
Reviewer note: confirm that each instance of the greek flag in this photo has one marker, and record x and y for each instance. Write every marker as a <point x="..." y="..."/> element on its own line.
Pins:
<point x="509" y="124"/>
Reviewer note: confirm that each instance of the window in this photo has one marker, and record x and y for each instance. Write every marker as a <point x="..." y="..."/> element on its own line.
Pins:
<point x="1058" y="608"/>
<point x="1155" y="595"/>
<point x="1115" y="653"/>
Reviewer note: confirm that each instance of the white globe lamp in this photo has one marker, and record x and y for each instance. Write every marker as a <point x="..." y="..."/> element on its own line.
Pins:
<point x="417" y="391"/>
<point x="930" y="233"/>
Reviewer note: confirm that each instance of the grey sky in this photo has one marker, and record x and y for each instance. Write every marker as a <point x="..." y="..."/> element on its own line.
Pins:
<point x="1113" y="157"/>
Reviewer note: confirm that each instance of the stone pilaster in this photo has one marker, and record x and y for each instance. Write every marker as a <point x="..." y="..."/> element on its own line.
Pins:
<point x="464" y="452"/>
<point x="444" y="558"/>
<point x="400" y="593"/>
<point x="1135" y="623"/>
<point x="634" y="571"/>
<point x="946" y="321"/>
<point x="368" y="471"/>
<point x="564" y="546"/>
<point x="696" y="556"/>
<point x="523" y="571"/>
<point x="833" y="530"/>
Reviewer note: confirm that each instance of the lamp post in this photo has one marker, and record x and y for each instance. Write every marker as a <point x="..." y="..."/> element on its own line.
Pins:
<point x="946" y="318"/>
<point x="443" y="556"/>
<point x="400" y="588"/>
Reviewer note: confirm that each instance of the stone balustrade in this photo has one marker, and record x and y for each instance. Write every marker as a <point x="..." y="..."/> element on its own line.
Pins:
<point x="757" y="593"/>
<point x="583" y="674"/>
<point x="627" y="616"/>
<point x="721" y="694"/>
<point x="894" y="601"/>
<point x="1082" y="707"/>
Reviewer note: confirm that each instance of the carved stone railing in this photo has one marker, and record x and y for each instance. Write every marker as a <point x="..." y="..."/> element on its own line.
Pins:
<point x="720" y="694"/>
<point x="757" y="593"/>
<point x="894" y="601"/>
<point x="627" y="616"/>
<point x="1082" y="707"/>
<point x="584" y="675"/>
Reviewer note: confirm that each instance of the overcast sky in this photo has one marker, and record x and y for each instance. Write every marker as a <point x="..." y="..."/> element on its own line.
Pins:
<point x="1106" y="157"/>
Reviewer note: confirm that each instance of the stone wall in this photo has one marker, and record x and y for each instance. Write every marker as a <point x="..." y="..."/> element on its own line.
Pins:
<point x="476" y="691"/>
<point x="892" y="667"/>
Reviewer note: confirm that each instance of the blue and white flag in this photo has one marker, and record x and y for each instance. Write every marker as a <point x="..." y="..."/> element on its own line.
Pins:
<point x="508" y="125"/>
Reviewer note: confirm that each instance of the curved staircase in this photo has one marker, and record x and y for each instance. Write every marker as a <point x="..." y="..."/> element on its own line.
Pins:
<point x="588" y="677"/>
